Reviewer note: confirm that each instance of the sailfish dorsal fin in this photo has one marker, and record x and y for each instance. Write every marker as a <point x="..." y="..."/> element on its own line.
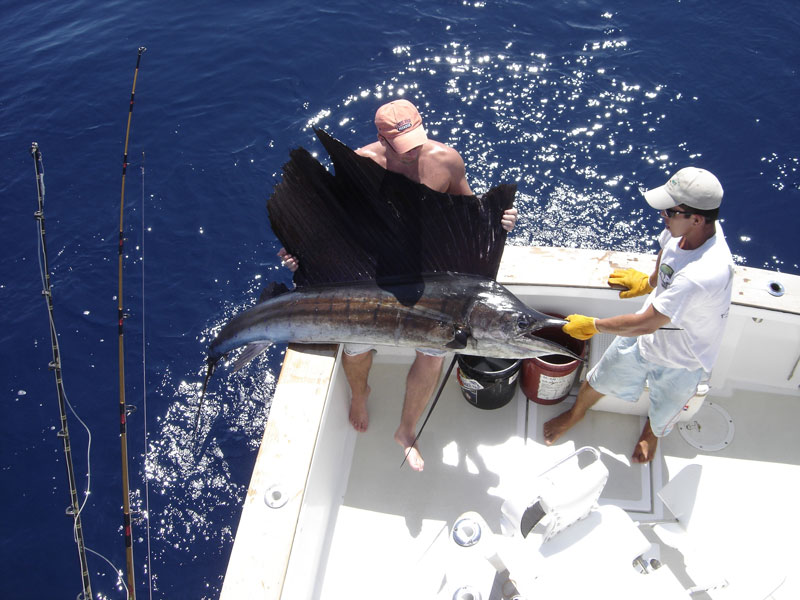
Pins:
<point x="365" y="222"/>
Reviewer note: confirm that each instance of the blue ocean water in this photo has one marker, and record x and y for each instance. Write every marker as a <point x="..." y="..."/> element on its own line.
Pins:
<point x="580" y="102"/>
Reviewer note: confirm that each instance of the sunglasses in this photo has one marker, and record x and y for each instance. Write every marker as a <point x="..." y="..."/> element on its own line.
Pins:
<point x="671" y="212"/>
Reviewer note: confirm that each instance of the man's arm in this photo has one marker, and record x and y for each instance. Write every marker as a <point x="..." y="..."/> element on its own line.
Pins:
<point x="653" y="281"/>
<point x="633" y="325"/>
<point x="582" y="327"/>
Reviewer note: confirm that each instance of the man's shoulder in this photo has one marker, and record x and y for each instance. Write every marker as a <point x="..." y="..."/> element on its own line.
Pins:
<point x="442" y="153"/>
<point x="440" y="148"/>
<point x="374" y="151"/>
<point x="370" y="150"/>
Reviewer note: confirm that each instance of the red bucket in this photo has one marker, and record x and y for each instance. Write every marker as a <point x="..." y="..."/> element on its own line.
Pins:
<point x="548" y="379"/>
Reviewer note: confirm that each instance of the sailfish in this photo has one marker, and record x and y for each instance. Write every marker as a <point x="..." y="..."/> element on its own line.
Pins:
<point x="388" y="261"/>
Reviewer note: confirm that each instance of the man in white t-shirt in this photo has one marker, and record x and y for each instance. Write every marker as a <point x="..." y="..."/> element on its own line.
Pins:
<point x="673" y="341"/>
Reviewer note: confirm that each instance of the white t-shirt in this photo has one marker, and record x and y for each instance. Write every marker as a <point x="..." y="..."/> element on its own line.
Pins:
<point x="694" y="291"/>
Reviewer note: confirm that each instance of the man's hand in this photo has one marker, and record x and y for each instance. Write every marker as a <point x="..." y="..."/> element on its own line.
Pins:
<point x="287" y="260"/>
<point x="635" y="282"/>
<point x="509" y="219"/>
<point x="580" y="327"/>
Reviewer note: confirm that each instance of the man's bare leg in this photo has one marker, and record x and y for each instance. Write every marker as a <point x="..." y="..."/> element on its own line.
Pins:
<point x="356" y="369"/>
<point x="645" y="448"/>
<point x="557" y="426"/>
<point x="420" y="383"/>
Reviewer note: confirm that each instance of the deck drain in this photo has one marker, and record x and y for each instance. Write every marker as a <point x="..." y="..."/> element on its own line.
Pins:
<point x="710" y="429"/>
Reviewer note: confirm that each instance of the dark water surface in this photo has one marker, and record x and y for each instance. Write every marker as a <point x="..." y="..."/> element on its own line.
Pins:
<point x="579" y="102"/>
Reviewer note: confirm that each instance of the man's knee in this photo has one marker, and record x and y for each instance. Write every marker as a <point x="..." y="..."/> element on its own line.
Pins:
<point x="431" y="361"/>
<point x="357" y="349"/>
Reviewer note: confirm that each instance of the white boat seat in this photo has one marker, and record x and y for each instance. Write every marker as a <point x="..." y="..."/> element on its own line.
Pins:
<point x="597" y="346"/>
<point x="556" y="499"/>
<point x="721" y="569"/>
<point x="558" y="543"/>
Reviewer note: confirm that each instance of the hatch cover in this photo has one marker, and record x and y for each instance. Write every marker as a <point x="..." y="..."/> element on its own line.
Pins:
<point x="710" y="429"/>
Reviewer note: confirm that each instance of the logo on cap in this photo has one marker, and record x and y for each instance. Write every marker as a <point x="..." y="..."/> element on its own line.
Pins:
<point x="403" y="125"/>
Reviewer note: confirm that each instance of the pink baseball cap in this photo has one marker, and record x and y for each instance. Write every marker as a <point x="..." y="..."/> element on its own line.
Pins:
<point x="399" y="122"/>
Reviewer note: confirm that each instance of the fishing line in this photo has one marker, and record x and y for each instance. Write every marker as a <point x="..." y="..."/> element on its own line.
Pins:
<point x="144" y="403"/>
<point x="120" y="578"/>
<point x="123" y="409"/>
<point x="433" y="405"/>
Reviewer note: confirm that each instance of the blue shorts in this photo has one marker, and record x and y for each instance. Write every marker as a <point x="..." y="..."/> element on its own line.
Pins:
<point x="622" y="372"/>
<point x="354" y="349"/>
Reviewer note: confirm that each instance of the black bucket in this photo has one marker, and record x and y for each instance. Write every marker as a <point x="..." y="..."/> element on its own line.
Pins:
<point x="487" y="382"/>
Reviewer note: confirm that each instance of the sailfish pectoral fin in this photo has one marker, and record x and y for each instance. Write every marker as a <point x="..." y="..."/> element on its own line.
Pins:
<point x="460" y="337"/>
<point x="249" y="353"/>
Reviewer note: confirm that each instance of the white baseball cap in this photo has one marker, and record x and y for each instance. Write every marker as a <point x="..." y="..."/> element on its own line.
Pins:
<point x="693" y="187"/>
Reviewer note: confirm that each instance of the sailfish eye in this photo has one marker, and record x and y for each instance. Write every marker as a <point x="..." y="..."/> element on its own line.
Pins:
<point x="523" y="323"/>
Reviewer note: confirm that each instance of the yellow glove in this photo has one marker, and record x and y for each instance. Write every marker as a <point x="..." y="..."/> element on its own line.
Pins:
<point x="636" y="282"/>
<point x="580" y="327"/>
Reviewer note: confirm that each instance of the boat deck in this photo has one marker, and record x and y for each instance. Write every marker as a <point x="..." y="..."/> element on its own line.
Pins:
<point x="393" y="524"/>
<point x="394" y="516"/>
<point x="330" y="513"/>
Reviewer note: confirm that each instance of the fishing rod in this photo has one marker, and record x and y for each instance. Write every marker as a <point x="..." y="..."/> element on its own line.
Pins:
<point x="433" y="405"/>
<point x="123" y="409"/>
<point x="74" y="510"/>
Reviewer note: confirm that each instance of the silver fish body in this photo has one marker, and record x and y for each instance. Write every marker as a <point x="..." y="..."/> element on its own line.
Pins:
<point x="461" y="313"/>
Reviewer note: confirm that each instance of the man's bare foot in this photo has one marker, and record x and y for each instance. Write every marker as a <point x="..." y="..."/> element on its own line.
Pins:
<point x="557" y="426"/>
<point x="359" y="417"/>
<point x="645" y="448"/>
<point x="414" y="458"/>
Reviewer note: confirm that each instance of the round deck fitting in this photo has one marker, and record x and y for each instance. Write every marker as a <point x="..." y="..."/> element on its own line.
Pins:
<point x="466" y="532"/>
<point x="275" y="497"/>
<point x="710" y="429"/>
<point x="776" y="288"/>
<point x="467" y="592"/>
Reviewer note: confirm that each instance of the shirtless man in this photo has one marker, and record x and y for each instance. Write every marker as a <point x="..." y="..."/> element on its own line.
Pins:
<point x="691" y="293"/>
<point x="403" y="147"/>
